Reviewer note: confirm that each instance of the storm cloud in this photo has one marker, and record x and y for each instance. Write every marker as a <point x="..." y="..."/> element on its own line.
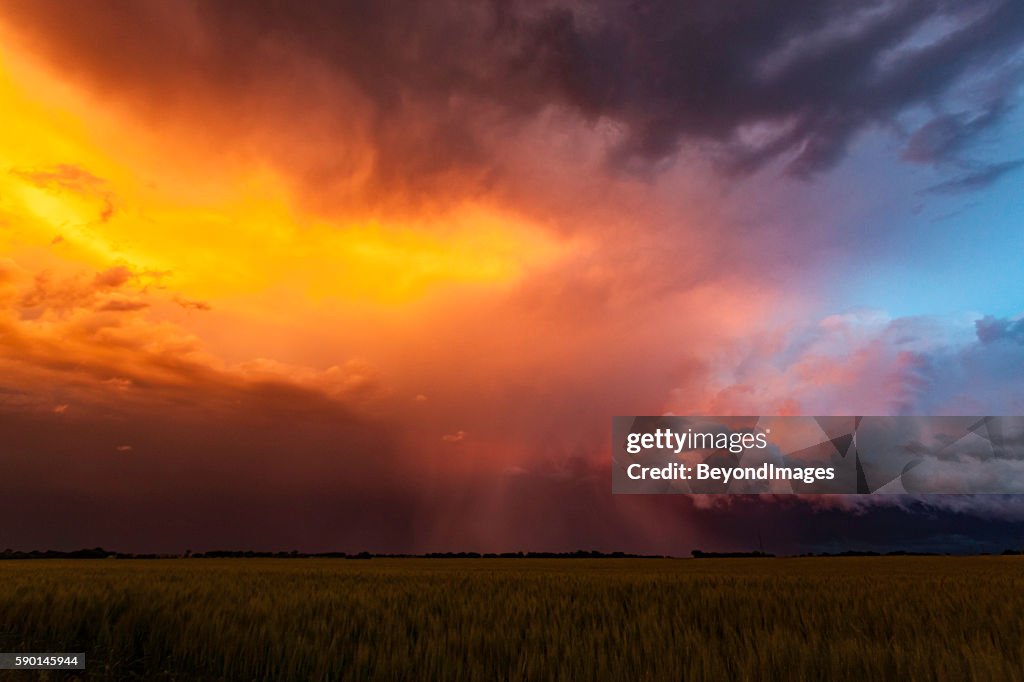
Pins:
<point x="376" y="275"/>
<point x="412" y="97"/>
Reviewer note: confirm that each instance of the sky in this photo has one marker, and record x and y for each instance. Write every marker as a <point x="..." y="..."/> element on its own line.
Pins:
<point x="376" y="276"/>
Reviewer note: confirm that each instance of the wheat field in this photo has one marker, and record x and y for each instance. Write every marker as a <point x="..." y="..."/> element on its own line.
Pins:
<point x="905" y="618"/>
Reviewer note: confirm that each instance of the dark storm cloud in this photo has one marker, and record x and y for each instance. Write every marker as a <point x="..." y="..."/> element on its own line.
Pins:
<point x="905" y="523"/>
<point x="440" y="84"/>
<point x="915" y="524"/>
<point x="946" y="135"/>
<point x="977" y="178"/>
<point x="990" y="329"/>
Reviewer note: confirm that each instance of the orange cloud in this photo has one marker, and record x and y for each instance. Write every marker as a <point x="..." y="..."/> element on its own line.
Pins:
<point x="294" y="285"/>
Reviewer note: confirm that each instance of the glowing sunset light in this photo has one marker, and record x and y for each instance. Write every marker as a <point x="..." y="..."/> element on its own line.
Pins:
<point x="377" y="280"/>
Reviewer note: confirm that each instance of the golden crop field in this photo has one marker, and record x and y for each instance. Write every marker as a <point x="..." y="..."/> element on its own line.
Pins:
<point x="895" y="618"/>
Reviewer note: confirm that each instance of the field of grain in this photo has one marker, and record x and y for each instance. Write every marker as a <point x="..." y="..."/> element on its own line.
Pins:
<point x="904" y="618"/>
